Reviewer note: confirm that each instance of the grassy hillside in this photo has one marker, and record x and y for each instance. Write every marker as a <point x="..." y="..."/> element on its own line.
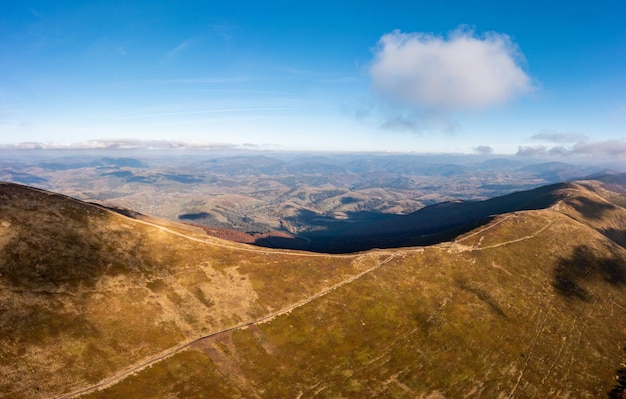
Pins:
<point x="533" y="304"/>
<point x="84" y="292"/>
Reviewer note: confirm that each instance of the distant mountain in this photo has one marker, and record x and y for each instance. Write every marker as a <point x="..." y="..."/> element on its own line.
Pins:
<point x="262" y="191"/>
<point x="500" y="164"/>
<point x="560" y="171"/>
<point x="431" y="224"/>
<point x="246" y="165"/>
<point x="94" y="304"/>
<point x="77" y="163"/>
<point x="21" y="177"/>
<point x="314" y="167"/>
<point x="414" y="229"/>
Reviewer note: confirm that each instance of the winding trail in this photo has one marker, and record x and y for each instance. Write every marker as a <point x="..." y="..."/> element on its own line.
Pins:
<point x="491" y="225"/>
<point x="240" y="247"/>
<point x="122" y="374"/>
<point x="145" y="363"/>
<point x="535" y="234"/>
<point x="459" y="247"/>
<point x="529" y="355"/>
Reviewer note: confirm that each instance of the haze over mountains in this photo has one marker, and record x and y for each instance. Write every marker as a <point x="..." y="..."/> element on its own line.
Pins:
<point x="303" y="201"/>
<point x="523" y="296"/>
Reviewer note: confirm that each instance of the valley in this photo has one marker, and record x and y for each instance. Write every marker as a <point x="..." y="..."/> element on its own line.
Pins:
<point x="316" y="202"/>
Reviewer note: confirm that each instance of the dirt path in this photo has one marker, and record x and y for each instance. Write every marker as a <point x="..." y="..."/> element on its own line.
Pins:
<point x="535" y="234"/>
<point x="456" y="246"/>
<point x="529" y="354"/>
<point x="240" y="247"/>
<point x="122" y="374"/>
<point x="483" y="229"/>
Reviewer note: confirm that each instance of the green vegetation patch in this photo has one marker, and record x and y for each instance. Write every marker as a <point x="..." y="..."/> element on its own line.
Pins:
<point x="189" y="374"/>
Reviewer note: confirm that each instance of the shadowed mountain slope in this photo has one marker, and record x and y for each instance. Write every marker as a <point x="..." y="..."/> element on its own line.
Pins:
<point x="429" y="225"/>
<point x="97" y="305"/>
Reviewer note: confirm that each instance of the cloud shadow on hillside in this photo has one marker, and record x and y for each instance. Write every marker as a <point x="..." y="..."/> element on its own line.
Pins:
<point x="53" y="253"/>
<point x="572" y="274"/>
<point x="55" y="249"/>
<point x="590" y="209"/>
<point x="618" y="236"/>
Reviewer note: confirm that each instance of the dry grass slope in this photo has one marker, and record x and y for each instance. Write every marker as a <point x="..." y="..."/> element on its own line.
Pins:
<point x="85" y="292"/>
<point x="531" y="305"/>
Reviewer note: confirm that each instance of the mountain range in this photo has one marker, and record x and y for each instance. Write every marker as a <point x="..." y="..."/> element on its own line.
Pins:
<point x="292" y="200"/>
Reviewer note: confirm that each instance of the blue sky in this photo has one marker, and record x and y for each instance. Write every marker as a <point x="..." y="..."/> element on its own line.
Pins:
<point x="534" y="78"/>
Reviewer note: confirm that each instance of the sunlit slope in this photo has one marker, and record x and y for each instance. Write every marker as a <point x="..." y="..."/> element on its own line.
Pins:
<point x="531" y="305"/>
<point x="97" y="305"/>
<point x="592" y="203"/>
<point x="86" y="293"/>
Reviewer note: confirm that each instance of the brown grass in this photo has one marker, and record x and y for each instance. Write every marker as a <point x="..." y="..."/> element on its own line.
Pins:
<point x="85" y="293"/>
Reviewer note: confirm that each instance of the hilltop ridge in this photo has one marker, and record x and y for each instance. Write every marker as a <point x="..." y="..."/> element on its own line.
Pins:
<point x="95" y="304"/>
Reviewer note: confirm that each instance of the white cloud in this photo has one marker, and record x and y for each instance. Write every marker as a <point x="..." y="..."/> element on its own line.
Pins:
<point x="606" y="148"/>
<point x="558" y="137"/>
<point x="402" y="123"/>
<point x="460" y="72"/>
<point x="559" y="151"/>
<point x="483" y="149"/>
<point x="537" y="151"/>
<point x="125" y="144"/>
<point x="596" y="149"/>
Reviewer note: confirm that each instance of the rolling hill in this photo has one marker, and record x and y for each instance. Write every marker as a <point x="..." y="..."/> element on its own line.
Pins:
<point x="431" y="224"/>
<point x="311" y="197"/>
<point x="527" y="303"/>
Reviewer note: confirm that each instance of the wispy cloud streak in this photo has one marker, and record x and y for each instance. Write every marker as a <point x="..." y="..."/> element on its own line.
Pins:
<point x="208" y="111"/>
<point x="558" y="137"/>
<point x="177" y="50"/>
<point x="127" y="144"/>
